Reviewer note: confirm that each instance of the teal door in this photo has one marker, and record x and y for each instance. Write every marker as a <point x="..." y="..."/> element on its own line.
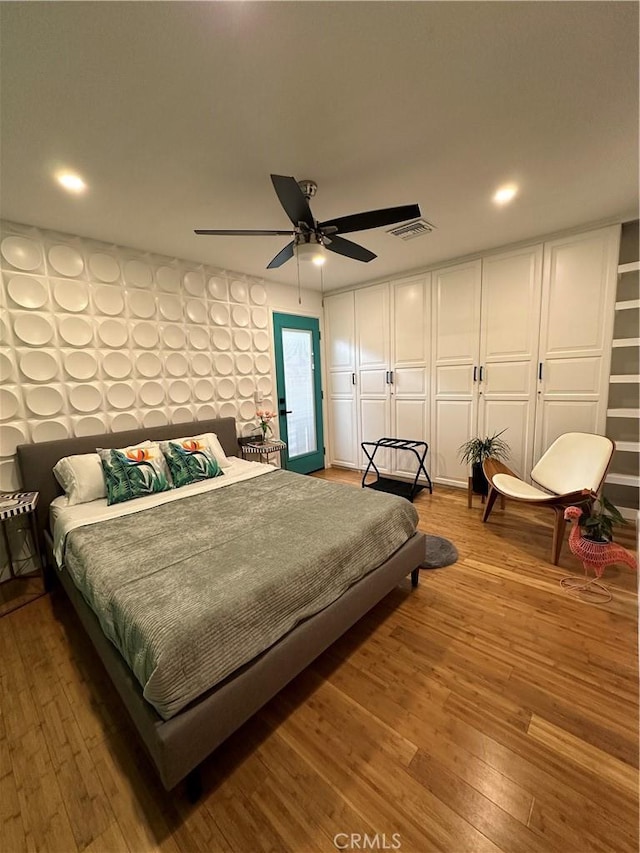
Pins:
<point x="298" y="380"/>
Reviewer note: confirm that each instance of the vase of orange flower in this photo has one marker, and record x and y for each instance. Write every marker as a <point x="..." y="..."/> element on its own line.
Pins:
<point x="264" y="421"/>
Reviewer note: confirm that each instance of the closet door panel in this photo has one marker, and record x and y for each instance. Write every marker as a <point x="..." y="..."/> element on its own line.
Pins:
<point x="410" y="381"/>
<point x="454" y="424"/>
<point x="556" y="417"/>
<point x="341" y="384"/>
<point x="410" y="322"/>
<point x="457" y="313"/>
<point x="340" y="331"/>
<point x="373" y="327"/>
<point x="513" y="417"/>
<point x="375" y="424"/>
<point x="343" y="432"/>
<point x="411" y="423"/>
<point x="373" y="383"/>
<point x="454" y="381"/>
<point x="508" y="378"/>
<point x="572" y="376"/>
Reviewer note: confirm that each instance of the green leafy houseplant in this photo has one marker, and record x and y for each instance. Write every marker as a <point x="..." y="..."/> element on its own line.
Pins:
<point x="476" y="450"/>
<point x="597" y="525"/>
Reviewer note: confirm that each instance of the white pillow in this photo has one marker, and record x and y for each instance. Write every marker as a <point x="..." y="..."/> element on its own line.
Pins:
<point x="82" y="477"/>
<point x="213" y="443"/>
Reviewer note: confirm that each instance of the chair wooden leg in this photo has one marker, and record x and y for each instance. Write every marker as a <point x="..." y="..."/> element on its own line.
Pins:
<point x="491" y="499"/>
<point x="558" y="535"/>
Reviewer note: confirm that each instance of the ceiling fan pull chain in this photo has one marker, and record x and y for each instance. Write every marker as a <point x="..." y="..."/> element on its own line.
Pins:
<point x="298" y="267"/>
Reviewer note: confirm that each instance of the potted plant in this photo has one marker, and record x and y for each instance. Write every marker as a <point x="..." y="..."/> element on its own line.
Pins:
<point x="597" y="524"/>
<point x="476" y="450"/>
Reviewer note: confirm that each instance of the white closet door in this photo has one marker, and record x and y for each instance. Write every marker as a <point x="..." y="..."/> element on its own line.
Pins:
<point x="511" y="290"/>
<point x="411" y="324"/>
<point x="578" y="296"/>
<point x="373" y="349"/>
<point x="340" y="355"/>
<point x="455" y="354"/>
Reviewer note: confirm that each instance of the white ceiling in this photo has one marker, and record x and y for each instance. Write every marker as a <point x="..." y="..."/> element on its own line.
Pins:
<point x="176" y="114"/>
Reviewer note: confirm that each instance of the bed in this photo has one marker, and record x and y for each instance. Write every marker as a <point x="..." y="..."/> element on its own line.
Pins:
<point x="237" y="528"/>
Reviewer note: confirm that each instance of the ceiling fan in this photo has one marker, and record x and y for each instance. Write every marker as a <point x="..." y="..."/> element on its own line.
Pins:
<point x="311" y="237"/>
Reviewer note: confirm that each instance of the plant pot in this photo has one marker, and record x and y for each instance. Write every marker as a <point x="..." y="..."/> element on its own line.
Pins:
<point x="479" y="482"/>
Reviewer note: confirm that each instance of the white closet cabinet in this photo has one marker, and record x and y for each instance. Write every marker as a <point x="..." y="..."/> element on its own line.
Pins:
<point x="575" y="335"/>
<point x="340" y="353"/>
<point x="373" y="347"/>
<point x="455" y="352"/>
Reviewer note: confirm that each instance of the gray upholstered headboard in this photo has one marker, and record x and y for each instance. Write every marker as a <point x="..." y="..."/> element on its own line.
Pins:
<point x="36" y="461"/>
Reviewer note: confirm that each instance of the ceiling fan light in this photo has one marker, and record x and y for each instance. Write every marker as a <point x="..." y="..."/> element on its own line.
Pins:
<point x="313" y="252"/>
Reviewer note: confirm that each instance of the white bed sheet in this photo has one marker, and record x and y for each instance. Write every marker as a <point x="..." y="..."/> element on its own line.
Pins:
<point x="64" y="518"/>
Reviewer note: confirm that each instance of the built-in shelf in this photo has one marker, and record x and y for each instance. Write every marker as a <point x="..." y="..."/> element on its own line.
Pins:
<point x="623" y="413"/>
<point x="628" y="446"/>
<point x="623" y="480"/>
<point x="624" y="378"/>
<point x="632" y="267"/>
<point x="627" y="304"/>
<point x="628" y="512"/>
<point x="626" y="342"/>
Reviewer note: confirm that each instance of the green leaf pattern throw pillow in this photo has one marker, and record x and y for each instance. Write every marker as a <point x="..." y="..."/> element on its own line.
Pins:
<point x="134" y="472"/>
<point x="190" y="461"/>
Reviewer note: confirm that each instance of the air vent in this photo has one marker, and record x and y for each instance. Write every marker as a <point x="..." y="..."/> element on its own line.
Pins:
<point x="412" y="229"/>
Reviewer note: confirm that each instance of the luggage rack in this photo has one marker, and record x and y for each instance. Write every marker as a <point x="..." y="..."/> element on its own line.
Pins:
<point x="387" y="484"/>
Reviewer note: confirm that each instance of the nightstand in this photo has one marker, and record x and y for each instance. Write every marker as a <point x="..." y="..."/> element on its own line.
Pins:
<point x="264" y="450"/>
<point x="18" y="588"/>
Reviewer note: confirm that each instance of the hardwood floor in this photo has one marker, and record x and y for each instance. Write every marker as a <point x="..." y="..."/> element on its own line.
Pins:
<point x="484" y="711"/>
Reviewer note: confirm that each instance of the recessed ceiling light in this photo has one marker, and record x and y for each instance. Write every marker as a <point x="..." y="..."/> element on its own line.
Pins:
<point x="71" y="182"/>
<point x="505" y="194"/>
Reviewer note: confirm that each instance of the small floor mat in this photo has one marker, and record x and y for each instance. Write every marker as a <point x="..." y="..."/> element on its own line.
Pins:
<point x="438" y="552"/>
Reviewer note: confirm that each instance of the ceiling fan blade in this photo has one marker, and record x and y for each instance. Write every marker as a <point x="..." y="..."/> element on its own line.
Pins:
<point x="349" y="249"/>
<point x="239" y="233"/>
<point x="372" y="219"/>
<point x="282" y="256"/>
<point x="293" y="200"/>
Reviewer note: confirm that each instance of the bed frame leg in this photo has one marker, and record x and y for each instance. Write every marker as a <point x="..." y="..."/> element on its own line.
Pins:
<point x="193" y="785"/>
<point x="415" y="577"/>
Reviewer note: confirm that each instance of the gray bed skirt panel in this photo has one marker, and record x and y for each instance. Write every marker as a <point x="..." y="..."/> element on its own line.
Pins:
<point x="178" y="745"/>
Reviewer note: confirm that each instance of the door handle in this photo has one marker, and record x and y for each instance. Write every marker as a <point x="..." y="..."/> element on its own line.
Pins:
<point x="480" y="373"/>
<point x="386" y="377"/>
<point x="540" y="371"/>
<point x="353" y="379"/>
<point x="391" y="377"/>
<point x="286" y="411"/>
<point x="475" y="372"/>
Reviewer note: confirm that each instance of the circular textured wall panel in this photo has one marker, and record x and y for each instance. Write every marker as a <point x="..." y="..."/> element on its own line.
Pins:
<point x="104" y="267"/>
<point x="145" y="335"/>
<point x="226" y="388"/>
<point x="27" y="292"/>
<point x="138" y="274"/>
<point x="168" y="279"/>
<point x="123" y="422"/>
<point x="85" y="398"/>
<point x="44" y="401"/>
<point x="117" y="365"/>
<point x="181" y="415"/>
<point x="194" y="283"/>
<point x="170" y="307"/>
<point x="33" y="329"/>
<point x="49" y="431"/>
<point x="239" y="292"/>
<point x="217" y="288"/>
<point x="113" y="333"/>
<point x="71" y="295"/>
<point x="242" y="339"/>
<point x="244" y="363"/>
<point x="221" y="339"/>
<point x="152" y="393"/>
<point x="203" y="390"/>
<point x="155" y="418"/>
<point x="9" y="403"/>
<point x="39" y="365"/>
<point x="22" y="253"/>
<point x="6" y="368"/>
<point x="148" y="364"/>
<point x="179" y="391"/>
<point x="219" y="314"/>
<point x="66" y="260"/>
<point x="206" y="412"/>
<point x="265" y="385"/>
<point x="176" y="364"/>
<point x="75" y="331"/>
<point x="246" y="386"/>
<point x="141" y="304"/>
<point x="81" y="365"/>
<point x="223" y="364"/>
<point x="11" y="435"/>
<point x="261" y="341"/>
<point x="120" y="395"/>
<point x="109" y="300"/>
<point x="9" y="476"/>
<point x="199" y="338"/>
<point x="196" y="311"/>
<point x="173" y="337"/>
<point x="240" y="315"/>
<point x="260" y="317"/>
<point x="258" y="294"/>
<point x="228" y="410"/>
<point x="201" y="364"/>
<point x="4" y="332"/>
<point x="88" y="426"/>
<point x="247" y="409"/>
<point x="263" y="364"/>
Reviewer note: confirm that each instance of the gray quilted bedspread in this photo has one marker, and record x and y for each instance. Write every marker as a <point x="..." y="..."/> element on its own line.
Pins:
<point x="191" y="590"/>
